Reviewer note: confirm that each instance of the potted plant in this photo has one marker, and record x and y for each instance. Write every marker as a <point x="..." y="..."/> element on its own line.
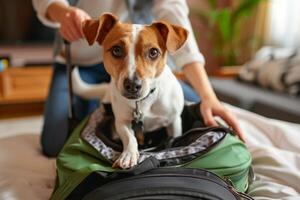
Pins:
<point x="223" y="27"/>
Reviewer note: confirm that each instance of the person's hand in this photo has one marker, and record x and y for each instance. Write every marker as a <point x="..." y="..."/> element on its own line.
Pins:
<point x="213" y="107"/>
<point x="70" y="19"/>
<point x="210" y="105"/>
<point x="70" y="23"/>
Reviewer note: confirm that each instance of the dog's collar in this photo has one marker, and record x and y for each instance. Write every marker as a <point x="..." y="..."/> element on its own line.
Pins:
<point x="137" y="113"/>
<point x="137" y="124"/>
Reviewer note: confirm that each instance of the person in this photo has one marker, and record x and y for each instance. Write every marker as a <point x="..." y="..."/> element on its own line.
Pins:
<point x="68" y="19"/>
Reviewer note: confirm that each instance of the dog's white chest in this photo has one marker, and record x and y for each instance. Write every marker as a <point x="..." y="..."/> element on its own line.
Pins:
<point x="156" y="116"/>
<point x="153" y="122"/>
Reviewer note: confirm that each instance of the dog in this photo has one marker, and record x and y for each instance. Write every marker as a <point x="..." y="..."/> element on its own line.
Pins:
<point x="143" y="92"/>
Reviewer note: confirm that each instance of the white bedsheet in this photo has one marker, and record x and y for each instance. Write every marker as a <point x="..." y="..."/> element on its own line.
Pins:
<point x="275" y="149"/>
<point x="274" y="145"/>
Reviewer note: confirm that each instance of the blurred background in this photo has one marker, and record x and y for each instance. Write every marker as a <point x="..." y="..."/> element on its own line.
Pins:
<point x="238" y="38"/>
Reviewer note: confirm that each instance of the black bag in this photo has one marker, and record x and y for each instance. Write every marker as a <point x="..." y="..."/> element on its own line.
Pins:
<point x="148" y="181"/>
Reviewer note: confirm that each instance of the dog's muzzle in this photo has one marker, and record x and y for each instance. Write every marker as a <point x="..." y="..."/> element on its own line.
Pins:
<point x="132" y="88"/>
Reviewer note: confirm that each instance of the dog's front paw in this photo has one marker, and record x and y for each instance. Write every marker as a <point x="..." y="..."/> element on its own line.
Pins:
<point x="127" y="159"/>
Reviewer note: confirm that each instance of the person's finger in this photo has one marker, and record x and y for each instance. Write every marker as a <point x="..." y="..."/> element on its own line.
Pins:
<point x="240" y="132"/>
<point x="233" y="122"/>
<point x="69" y="27"/>
<point x="208" y="116"/>
<point x="78" y="16"/>
<point x="67" y="35"/>
<point x="77" y="27"/>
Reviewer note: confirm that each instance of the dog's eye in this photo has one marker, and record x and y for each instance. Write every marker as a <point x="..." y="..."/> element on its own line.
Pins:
<point x="117" y="51"/>
<point x="153" y="53"/>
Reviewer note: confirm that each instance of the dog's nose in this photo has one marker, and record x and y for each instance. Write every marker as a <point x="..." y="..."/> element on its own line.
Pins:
<point x="133" y="86"/>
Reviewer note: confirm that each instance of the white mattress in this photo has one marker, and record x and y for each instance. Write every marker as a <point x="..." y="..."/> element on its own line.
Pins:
<point x="274" y="145"/>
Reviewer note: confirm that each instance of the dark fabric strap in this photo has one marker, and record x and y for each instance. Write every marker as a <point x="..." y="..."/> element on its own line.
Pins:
<point x="97" y="179"/>
<point x="58" y="40"/>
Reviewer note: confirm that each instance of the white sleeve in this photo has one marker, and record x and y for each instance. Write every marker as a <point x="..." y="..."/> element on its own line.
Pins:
<point x="176" y="12"/>
<point x="40" y="6"/>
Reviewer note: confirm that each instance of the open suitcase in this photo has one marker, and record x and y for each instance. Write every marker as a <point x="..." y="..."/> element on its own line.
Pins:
<point x="204" y="163"/>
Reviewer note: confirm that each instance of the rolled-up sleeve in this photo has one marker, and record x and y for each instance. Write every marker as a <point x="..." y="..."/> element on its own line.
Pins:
<point x="41" y="6"/>
<point x="176" y="12"/>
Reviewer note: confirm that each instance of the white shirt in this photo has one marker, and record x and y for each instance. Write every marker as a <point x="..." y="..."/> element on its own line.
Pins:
<point x="173" y="11"/>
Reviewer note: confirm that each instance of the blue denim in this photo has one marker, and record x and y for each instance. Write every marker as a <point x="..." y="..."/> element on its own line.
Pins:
<point x="189" y="93"/>
<point x="55" y="128"/>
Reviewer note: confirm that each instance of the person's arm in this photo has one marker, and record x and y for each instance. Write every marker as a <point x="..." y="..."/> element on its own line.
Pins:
<point x="70" y="19"/>
<point x="192" y="63"/>
<point x="176" y="12"/>
<point x="41" y="7"/>
<point x="210" y="105"/>
<point x="58" y="14"/>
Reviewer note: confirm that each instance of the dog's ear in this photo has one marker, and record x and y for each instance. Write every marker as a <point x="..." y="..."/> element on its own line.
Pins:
<point x="96" y="30"/>
<point x="173" y="36"/>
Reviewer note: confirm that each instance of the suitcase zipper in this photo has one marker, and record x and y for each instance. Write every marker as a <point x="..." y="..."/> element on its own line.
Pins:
<point x="216" y="179"/>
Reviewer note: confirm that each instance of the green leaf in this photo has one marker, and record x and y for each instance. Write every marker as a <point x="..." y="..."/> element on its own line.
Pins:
<point x="212" y="4"/>
<point x="224" y="24"/>
<point x="244" y="9"/>
<point x="213" y="17"/>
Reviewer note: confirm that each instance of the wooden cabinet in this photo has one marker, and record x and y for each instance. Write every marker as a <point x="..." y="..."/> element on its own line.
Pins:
<point x="23" y="88"/>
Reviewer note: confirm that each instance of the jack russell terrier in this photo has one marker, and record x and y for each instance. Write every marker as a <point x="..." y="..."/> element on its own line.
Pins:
<point x="143" y="92"/>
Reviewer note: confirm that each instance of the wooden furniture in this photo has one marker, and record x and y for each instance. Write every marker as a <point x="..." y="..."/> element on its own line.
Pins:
<point x="23" y="90"/>
<point x="224" y="72"/>
<point x="227" y="72"/>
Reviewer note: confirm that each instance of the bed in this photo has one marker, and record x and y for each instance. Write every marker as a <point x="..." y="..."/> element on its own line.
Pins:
<point x="26" y="174"/>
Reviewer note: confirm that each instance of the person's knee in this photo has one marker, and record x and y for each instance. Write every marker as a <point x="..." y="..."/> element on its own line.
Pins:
<point x="52" y="141"/>
<point x="49" y="149"/>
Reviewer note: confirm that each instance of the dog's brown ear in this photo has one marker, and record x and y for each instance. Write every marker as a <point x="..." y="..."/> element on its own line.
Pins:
<point x="174" y="36"/>
<point x="96" y="30"/>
